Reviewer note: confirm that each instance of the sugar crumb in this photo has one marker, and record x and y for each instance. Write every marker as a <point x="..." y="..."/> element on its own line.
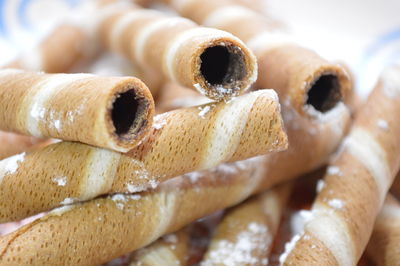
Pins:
<point x="382" y="124"/>
<point x="334" y="170"/>
<point x="60" y="181"/>
<point x="336" y="203"/>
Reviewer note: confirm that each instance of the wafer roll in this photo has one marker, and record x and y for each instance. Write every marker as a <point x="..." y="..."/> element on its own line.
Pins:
<point x="246" y="232"/>
<point x="171" y="249"/>
<point x="11" y="143"/>
<point x="214" y="62"/>
<point x="63" y="48"/>
<point x="309" y="82"/>
<point x="324" y="134"/>
<point x="383" y="247"/>
<point x="76" y="234"/>
<point x="109" y="112"/>
<point x="356" y="183"/>
<point x="180" y="141"/>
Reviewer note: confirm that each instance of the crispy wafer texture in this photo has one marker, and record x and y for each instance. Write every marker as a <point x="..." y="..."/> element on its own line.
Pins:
<point x="76" y="234"/>
<point x="309" y="82"/>
<point x="324" y="133"/>
<point x="246" y="232"/>
<point x="180" y="141"/>
<point x="12" y="144"/>
<point x="383" y="247"/>
<point x="171" y="249"/>
<point x="109" y="112"/>
<point x="214" y="62"/>
<point x="356" y="183"/>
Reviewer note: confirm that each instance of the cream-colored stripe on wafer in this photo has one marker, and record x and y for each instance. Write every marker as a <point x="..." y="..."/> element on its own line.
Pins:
<point x="48" y="87"/>
<point x="390" y="211"/>
<point x="268" y="40"/>
<point x="166" y="212"/>
<point x="149" y="30"/>
<point x="370" y="153"/>
<point x="272" y="206"/>
<point x="330" y="228"/>
<point x="221" y="15"/>
<point x="258" y="175"/>
<point x="228" y="127"/>
<point x="122" y="23"/>
<point x="99" y="173"/>
<point x="164" y="254"/>
<point x="185" y="36"/>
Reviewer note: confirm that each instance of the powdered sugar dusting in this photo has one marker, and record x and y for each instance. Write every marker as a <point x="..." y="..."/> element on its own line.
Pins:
<point x="194" y="177"/>
<point x="60" y="181"/>
<point x="159" y="121"/>
<point x="119" y="200"/>
<point x="382" y="124"/>
<point x="203" y="111"/>
<point x="10" y="164"/>
<point x="240" y="251"/>
<point x="135" y="188"/>
<point x="334" y="170"/>
<point x="288" y="248"/>
<point x="67" y="201"/>
<point x="336" y="203"/>
<point x="298" y="221"/>
<point x="320" y="185"/>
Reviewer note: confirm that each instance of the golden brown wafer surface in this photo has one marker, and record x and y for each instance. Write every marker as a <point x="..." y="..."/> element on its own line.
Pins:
<point x="114" y="113"/>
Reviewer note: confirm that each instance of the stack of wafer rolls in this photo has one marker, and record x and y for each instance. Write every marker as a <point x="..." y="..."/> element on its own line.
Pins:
<point x="76" y="234"/>
<point x="180" y="141"/>
<point x="356" y="183"/>
<point x="212" y="61"/>
<point x="246" y="232"/>
<point x="383" y="247"/>
<point x="109" y="112"/>
<point x="283" y="65"/>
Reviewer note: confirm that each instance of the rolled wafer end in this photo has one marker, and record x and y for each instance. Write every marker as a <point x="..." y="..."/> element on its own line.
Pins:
<point x="222" y="66"/>
<point x="225" y="70"/>
<point x="328" y="87"/>
<point x="129" y="114"/>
